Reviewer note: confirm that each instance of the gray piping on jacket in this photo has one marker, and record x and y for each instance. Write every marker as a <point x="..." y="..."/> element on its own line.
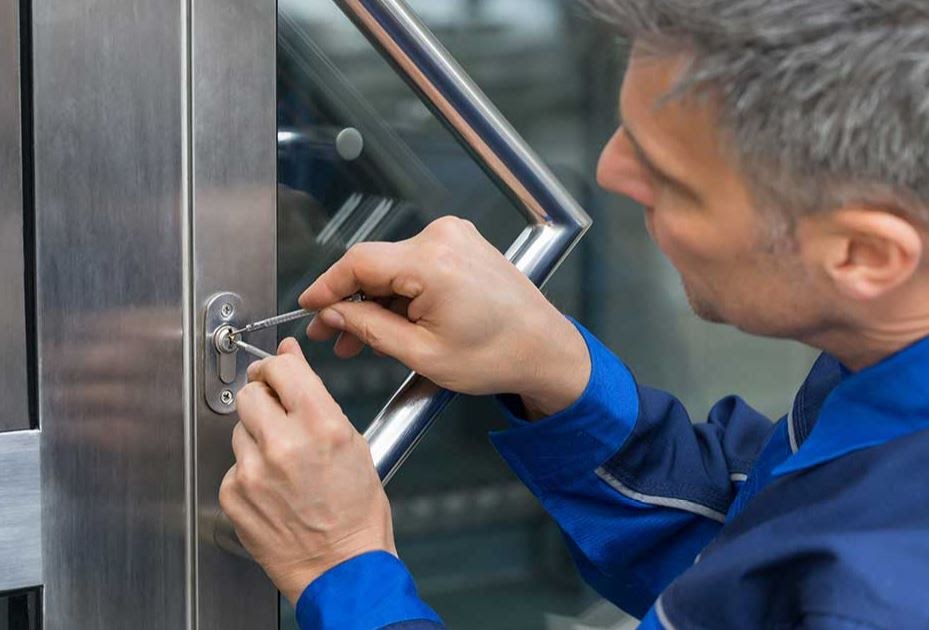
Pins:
<point x="738" y="477"/>
<point x="662" y="615"/>
<point x="679" y="504"/>
<point x="791" y="434"/>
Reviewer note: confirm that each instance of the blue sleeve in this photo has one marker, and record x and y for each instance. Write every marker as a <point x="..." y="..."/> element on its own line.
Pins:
<point x="370" y="591"/>
<point x="636" y="488"/>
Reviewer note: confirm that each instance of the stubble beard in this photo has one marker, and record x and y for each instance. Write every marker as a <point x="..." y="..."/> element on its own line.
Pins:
<point x="702" y="306"/>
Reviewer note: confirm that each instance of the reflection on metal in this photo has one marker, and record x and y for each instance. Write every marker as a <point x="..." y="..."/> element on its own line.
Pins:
<point x="20" y="511"/>
<point x="556" y="221"/>
<point x="224" y="536"/>
<point x="223" y="365"/>
<point x="13" y="373"/>
<point x="110" y="210"/>
<point x="234" y="186"/>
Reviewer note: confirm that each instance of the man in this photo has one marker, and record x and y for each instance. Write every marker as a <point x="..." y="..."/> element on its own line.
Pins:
<point x="780" y="149"/>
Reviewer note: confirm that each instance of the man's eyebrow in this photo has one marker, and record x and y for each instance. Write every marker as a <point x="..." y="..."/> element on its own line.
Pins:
<point x="653" y="168"/>
<point x="644" y="158"/>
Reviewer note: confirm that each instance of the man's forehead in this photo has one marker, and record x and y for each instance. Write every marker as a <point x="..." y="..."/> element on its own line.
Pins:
<point x="679" y="132"/>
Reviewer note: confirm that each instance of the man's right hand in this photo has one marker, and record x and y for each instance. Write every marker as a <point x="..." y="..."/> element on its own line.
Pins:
<point x="450" y="306"/>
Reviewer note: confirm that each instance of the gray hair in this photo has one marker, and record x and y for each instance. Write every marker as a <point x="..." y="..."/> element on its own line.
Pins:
<point x="826" y="102"/>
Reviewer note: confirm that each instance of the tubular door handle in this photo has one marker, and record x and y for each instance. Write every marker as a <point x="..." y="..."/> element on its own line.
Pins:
<point x="556" y="221"/>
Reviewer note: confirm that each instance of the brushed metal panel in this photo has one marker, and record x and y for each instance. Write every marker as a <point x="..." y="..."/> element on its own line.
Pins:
<point x="234" y="221"/>
<point x="13" y="374"/>
<point x="111" y="213"/>
<point x="20" y="511"/>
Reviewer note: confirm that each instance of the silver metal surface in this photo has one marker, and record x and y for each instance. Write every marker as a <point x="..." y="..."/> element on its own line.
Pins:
<point x="13" y="374"/>
<point x="223" y="366"/>
<point x="234" y="155"/>
<point x="556" y="221"/>
<point x="20" y="511"/>
<point x="111" y="212"/>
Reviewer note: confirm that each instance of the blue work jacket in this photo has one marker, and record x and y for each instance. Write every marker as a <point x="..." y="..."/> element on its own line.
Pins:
<point x="820" y="520"/>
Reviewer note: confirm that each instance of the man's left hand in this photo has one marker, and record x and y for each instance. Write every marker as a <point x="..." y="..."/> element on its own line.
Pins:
<point x="303" y="494"/>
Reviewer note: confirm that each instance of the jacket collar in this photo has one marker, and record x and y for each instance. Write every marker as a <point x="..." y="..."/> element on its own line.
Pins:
<point x="858" y="409"/>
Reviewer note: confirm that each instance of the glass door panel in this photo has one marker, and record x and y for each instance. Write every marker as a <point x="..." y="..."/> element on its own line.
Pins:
<point x="483" y="552"/>
<point x="467" y="529"/>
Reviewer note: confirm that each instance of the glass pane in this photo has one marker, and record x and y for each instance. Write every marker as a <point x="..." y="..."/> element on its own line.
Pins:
<point x="21" y="610"/>
<point x="483" y="552"/>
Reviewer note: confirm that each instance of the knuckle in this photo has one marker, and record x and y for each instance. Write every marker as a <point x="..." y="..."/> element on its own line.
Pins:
<point x="448" y="226"/>
<point x="445" y="260"/>
<point x="228" y="493"/>
<point x="247" y="476"/>
<point x="284" y="453"/>
<point x="368" y="334"/>
<point x="248" y="392"/>
<point x="356" y="255"/>
<point x="335" y="433"/>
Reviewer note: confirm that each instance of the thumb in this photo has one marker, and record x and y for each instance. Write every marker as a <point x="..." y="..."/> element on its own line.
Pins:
<point x="380" y="328"/>
<point x="290" y="346"/>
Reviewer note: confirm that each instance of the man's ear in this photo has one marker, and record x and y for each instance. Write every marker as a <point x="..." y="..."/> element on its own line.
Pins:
<point x="865" y="252"/>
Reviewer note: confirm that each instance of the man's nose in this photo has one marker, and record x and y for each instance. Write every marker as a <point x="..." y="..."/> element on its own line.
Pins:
<point x="620" y="172"/>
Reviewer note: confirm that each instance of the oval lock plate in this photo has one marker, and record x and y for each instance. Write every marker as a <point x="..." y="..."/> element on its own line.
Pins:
<point x="223" y="367"/>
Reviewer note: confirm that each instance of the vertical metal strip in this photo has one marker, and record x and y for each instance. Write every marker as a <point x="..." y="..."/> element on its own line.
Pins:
<point x="189" y="309"/>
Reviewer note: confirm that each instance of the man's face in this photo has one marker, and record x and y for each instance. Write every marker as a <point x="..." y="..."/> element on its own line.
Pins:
<point x="698" y="208"/>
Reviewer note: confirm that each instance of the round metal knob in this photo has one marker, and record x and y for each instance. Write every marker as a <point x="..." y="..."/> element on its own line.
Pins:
<point x="349" y="144"/>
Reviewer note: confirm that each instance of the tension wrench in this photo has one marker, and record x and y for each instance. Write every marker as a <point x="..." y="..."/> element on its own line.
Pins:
<point x="252" y="350"/>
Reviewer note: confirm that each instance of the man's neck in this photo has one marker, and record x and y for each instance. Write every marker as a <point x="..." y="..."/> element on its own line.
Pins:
<point x="860" y="347"/>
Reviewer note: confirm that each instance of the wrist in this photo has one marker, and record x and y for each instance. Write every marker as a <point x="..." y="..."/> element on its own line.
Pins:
<point x="293" y="581"/>
<point x="559" y="370"/>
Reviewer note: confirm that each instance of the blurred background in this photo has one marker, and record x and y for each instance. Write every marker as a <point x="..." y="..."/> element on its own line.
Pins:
<point x="483" y="552"/>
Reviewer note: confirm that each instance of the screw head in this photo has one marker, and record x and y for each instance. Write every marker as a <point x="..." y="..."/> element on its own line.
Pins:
<point x="227" y="397"/>
<point x="227" y="310"/>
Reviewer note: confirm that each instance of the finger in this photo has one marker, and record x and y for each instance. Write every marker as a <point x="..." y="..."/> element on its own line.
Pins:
<point x="259" y="409"/>
<point x="348" y="346"/>
<point x="380" y="328"/>
<point x="236" y="506"/>
<point x="293" y="381"/>
<point x="290" y="346"/>
<point x="243" y="445"/>
<point x="377" y="269"/>
<point x="317" y="330"/>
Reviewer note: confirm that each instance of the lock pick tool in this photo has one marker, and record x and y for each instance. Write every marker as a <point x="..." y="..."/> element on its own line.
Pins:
<point x="235" y="335"/>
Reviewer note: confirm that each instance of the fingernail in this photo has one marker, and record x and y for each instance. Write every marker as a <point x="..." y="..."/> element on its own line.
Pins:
<point x="333" y="318"/>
